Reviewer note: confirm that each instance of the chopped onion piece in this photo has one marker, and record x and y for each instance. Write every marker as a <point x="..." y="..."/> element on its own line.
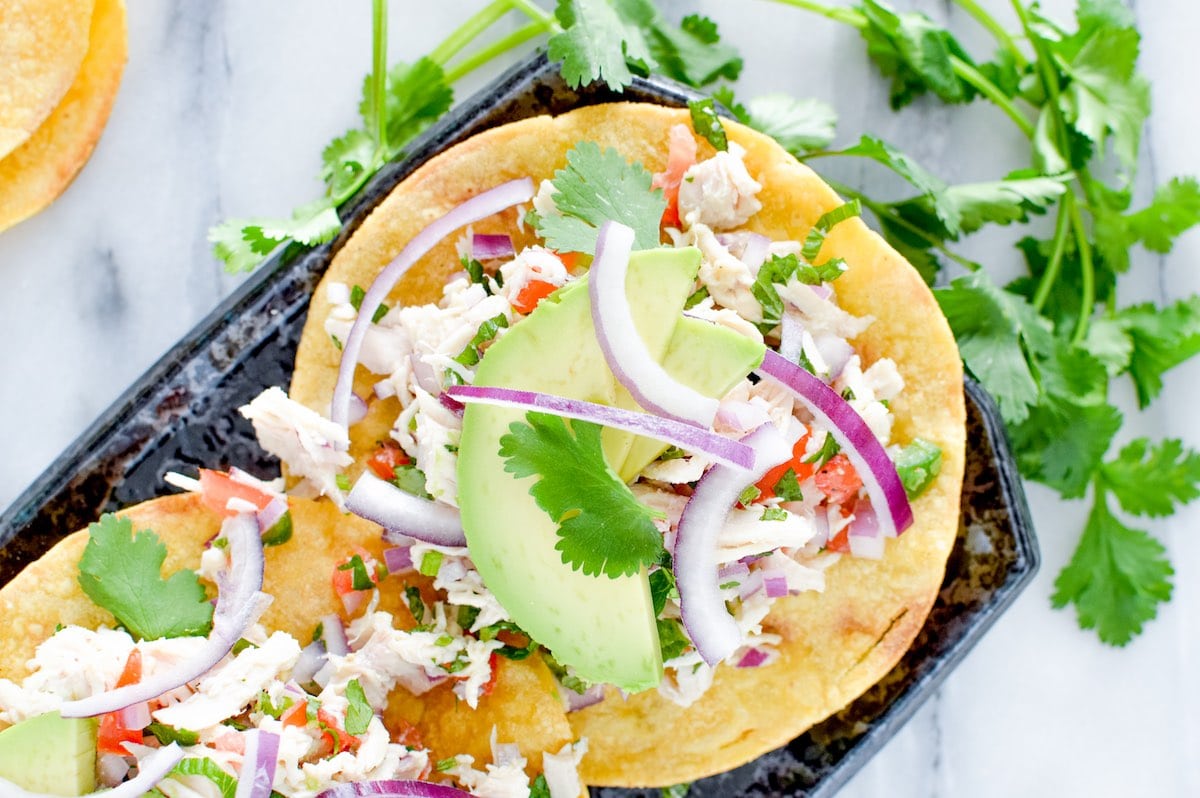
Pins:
<point x="358" y="408"/>
<point x="685" y="436"/>
<point x="312" y="659"/>
<point x="136" y="716"/>
<point x="392" y="789"/>
<point x="400" y="511"/>
<point x="624" y="350"/>
<point x="258" y="764"/>
<point x="870" y="548"/>
<point x="753" y="658"/>
<point x="334" y="635"/>
<point x="755" y="252"/>
<point x="489" y="246"/>
<point x="398" y="559"/>
<point x="701" y="605"/>
<point x="775" y="583"/>
<point x="860" y="445"/>
<point x="577" y="701"/>
<point x="473" y="210"/>
<point x="240" y="601"/>
<point x="152" y="769"/>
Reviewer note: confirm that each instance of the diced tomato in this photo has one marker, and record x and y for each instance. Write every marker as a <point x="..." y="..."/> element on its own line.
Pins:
<point x="569" y="259"/>
<point x="490" y="684"/>
<point x="216" y="489"/>
<point x="386" y="459"/>
<point x="840" y="542"/>
<point x="681" y="155"/>
<point x="113" y="732"/>
<point x="766" y="485"/>
<point x="838" y="480"/>
<point x="231" y="741"/>
<point x="295" y="715"/>
<point x="404" y="733"/>
<point x="534" y="292"/>
<point x="333" y="735"/>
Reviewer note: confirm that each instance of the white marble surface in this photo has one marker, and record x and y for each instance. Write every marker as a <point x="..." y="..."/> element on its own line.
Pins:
<point x="224" y="110"/>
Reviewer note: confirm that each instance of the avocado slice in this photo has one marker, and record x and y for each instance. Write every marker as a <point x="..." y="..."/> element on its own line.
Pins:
<point x="604" y="628"/>
<point x="50" y="754"/>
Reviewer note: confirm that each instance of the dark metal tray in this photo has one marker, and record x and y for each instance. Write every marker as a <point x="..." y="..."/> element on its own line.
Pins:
<point x="182" y="414"/>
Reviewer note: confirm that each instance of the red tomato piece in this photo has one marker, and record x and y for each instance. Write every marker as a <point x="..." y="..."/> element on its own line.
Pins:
<point x="295" y="715"/>
<point x="838" y="480"/>
<point x="766" y="485"/>
<point x="337" y="738"/>
<point x="681" y="155"/>
<point x="386" y="459"/>
<point x="534" y="292"/>
<point x="113" y="733"/>
<point x="216" y="489"/>
<point x="840" y="542"/>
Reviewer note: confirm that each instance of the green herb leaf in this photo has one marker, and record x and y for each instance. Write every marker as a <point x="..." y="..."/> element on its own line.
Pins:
<point x="359" y="712"/>
<point x="691" y="53"/>
<point x="596" y="40"/>
<point x="122" y="572"/>
<point x="1153" y="480"/>
<point x="595" y="187"/>
<point x="830" y="219"/>
<point x="706" y="122"/>
<point x="799" y="126"/>
<point x="788" y="487"/>
<point x="417" y="96"/>
<point x="782" y="268"/>
<point x="1161" y="338"/>
<point x="603" y="529"/>
<point x="169" y="734"/>
<point x="671" y="638"/>
<point x="662" y="586"/>
<point x="1116" y="579"/>
<point x="915" y="53"/>
<point x="485" y="334"/>
<point x="360" y="576"/>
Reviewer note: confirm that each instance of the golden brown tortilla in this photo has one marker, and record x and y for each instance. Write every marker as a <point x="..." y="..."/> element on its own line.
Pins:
<point x="42" y="43"/>
<point x="837" y="643"/>
<point x="298" y="576"/>
<point x="35" y="173"/>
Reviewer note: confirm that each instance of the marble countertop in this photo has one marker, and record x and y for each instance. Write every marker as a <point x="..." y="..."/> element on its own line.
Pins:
<point x="223" y="112"/>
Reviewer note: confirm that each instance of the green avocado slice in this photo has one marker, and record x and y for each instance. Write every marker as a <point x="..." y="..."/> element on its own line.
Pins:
<point x="602" y="627"/>
<point x="50" y="754"/>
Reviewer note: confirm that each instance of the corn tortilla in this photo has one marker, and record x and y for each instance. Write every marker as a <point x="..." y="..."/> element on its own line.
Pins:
<point x="836" y="643"/>
<point x="298" y="577"/>
<point x="42" y="44"/>
<point x="35" y="173"/>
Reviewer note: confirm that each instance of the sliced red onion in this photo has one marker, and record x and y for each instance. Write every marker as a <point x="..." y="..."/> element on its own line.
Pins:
<point x="393" y="789"/>
<point x="398" y="510"/>
<point x="577" y="701"/>
<point x="750" y="585"/>
<point x="259" y="761"/>
<point x="334" y="635"/>
<point x="866" y="522"/>
<point x="775" y="584"/>
<point x="860" y="445"/>
<point x="822" y="291"/>
<point x="473" y="210"/>
<point x="451" y="570"/>
<point x="240" y="601"/>
<point x="753" y="658"/>
<point x="685" y="436"/>
<point x="312" y="659"/>
<point x="791" y="336"/>
<point x="835" y="351"/>
<point x="358" y="408"/>
<point x="701" y="604"/>
<point x="398" y="559"/>
<point x="754" y="254"/>
<point x="451" y="404"/>
<point x="628" y="359"/>
<point x="505" y="754"/>
<point x="136" y="716"/>
<point x="489" y="246"/>
<point x="268" y="516"/>
<point x="734" y="570"/>
<point x="152" y="769"/>
<point x="739" y="416"/>
<point x="424" y="374"/>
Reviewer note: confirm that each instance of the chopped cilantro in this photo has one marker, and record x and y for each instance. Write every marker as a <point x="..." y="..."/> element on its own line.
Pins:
<point x="826" y="453"/>
<point x="486" y="332"/>
<point x="122" y="572"/>
<point x="415" y="605"/>
<point x="507" y="651"/>
<point x="788" y="487"/>
<point x="706" y="122"/>
<point x="410" y="479"/>
<point x="358" y="712"/>
<point x="917" y="464"/>
<point x="268" y="707"/>
<point x="337" y="342"/>
<point x="672" y="453"/>
<point x="830" y="219"/>
<point x="662" y="587"/>
<point x="360" y="575"/>
<point x="565" y="677"/>
<point x="671" y="638"/>
<point x="728" y="585"/>
<point x="602" y="527"/>
<point x="242" y="645"/>
<point x="467" y="616"/>
<point x="698" y="296"/>
<point x="677" y="791"/>
<point x="780" y="269"/>
<point x="598" y="186"/>
<point x="357" y="295"/>
<point x="318" y="632"/>
<point x="447" y="764"/>
<point x="540" y="788"/>
<point x="774" y="514"/>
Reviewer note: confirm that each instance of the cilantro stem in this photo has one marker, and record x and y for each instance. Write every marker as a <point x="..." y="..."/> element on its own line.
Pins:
<point x="495" y="49"/>
<point x="379" y="73"/>
<point x="535" y="13"/>
<point x="1088" y="291"/>
<point x="997" y="30"/>
<point x="470" y="30"/>
<point x="847" y="16"/>
<point x="882" y="211"/>
<point x="1061" y="230"/>
<point x="989" y="90"/>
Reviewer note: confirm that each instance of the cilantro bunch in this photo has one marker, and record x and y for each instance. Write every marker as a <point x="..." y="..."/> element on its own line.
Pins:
<point x="1048" y="346"/>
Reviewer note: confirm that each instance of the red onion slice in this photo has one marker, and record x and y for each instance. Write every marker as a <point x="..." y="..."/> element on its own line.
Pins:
<point x="152" y="769"/>
<point x="775" y="583"/>
<point x="240" y="601"/>
<point x="628" y="359"/>
<point x="392" y="789"/>
<point x="400" y="511"/>
<point x="754" y="254"/>
<point x="489" y="246"/>
<point x="701" y="605"/>
<point x="685" y="436"/>
<point x="334" y="634"/>
<point x="473" y="210"/>
<point x="867" y="455"/>
<point x="258" y="764"/>
<point x="398" y="559"/>
<point x="136" y="716"/>
<point x="753" y="658"/>
<point x="577" y="701"/>
<point x="312" y="659"/>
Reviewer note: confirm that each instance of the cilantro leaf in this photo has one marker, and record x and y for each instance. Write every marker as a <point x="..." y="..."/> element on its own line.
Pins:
<point x="693" y="52"/>
<point x="346" y="159"/>
<point x="417" y="96"/>
<point x="706" y="122"/>
<point x="359" y="712"/>
<point x="1152" y="480"/>
<point x="1174" y="209"/>
<point x="596" y="40"/>
<point x="974" y="205"/>
<point x="540" y="787"/>
<point x="597" y="186"/>
<point x="915" y="53"/>
<point x="798" y="125"/>
<point x="1061" y="443"/>
<point x="1116" y="578"/>
<point x="830" y="219"/>
<point x="662" y="585"/>
<point x="671" y="638"/>
<point x="996" y="333"/>
<point x="122" y="572"/>
<point x="778" y="271"/>
<point x="243" y="243"/>
<point x="169" y="734"/>
<point x="603" y="529"/>
<point x="1161" y="339"/>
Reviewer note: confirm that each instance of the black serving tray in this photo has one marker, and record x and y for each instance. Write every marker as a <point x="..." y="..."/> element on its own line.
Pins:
<point x="183" y="413"/>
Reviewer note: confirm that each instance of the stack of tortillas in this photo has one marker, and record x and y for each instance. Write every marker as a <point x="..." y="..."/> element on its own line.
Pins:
<point x="60" y="65"/>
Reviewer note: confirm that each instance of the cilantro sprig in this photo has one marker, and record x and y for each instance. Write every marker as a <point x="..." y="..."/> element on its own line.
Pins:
<point x="602" y="527"/>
